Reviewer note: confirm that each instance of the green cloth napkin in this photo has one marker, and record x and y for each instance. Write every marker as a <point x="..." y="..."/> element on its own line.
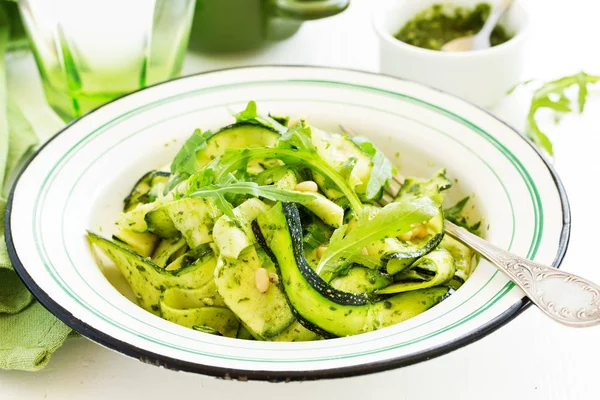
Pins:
<point x="29" y="334"/>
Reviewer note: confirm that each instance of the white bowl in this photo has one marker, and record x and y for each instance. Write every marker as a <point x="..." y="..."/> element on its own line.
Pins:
<point x="482" y="77"/>
<point x="77" y="182"/>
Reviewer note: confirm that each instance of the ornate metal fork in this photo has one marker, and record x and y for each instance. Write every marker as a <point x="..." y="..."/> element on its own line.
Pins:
<point x="565" y="297"/>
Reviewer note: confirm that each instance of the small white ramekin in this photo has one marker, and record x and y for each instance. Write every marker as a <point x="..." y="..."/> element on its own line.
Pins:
<point x="482" y="77"/>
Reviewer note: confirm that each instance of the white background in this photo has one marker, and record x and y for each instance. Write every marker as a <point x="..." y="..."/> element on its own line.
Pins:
<point x="530" y="358"/>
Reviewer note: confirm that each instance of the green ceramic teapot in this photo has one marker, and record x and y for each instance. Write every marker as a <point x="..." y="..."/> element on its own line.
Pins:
<point x="233" y="25"/>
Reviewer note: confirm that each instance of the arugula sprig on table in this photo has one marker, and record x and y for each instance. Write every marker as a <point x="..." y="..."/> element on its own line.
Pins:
<point x="551" y="95"/>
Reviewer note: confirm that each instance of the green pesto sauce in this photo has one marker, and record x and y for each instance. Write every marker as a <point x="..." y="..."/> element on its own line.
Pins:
<point x="441" y="23"/>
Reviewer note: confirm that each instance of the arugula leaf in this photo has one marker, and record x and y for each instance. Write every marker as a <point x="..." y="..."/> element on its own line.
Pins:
<point x="313" y="241"/>
<point x="367" y="261"/>
<point x="283" y="120"/>
<point x="204" y="177"/>
<point x="373" y="224"/>
<point x="454" y="215"/>
<point x="174" y="181"/>
<point x="222" y="204"/>
<point x="298" y="137"/>
<point x="185" y="165"/>
<point x="270" y="192"/>
<point x="250" y="114"/>
<point x="234" y="159"/>
<point x="382" y="170"/>
<point x="551" y="95"/>
<point x="185" y="162"/>
<point x="314" y="236"/>
<point x="271" y="175"/>
<point x="218" y="193"/>
<point x="451" y="213"/>
<point x="347" y="168"/>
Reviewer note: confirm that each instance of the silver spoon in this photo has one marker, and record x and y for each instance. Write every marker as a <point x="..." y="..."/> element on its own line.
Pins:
<point x="481" y="40"/>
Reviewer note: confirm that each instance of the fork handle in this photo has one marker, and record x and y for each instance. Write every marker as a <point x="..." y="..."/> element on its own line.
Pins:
<point x="563" y="296"/>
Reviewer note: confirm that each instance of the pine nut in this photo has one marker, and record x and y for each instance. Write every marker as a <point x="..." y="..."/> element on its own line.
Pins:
<point x="262" y="280"/>
<point x="273" y="277"/>
<point x="307" y="186"/>
<point x="364" y="251"/>
<point x="405" y="236"/>
<point x="320" y="251"/>
<point x="420" y="231"/>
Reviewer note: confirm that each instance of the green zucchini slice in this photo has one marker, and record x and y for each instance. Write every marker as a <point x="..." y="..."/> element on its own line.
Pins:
<point x="189" y="308"/>
<point x="134" y="219"/>
<point x="434" y="188"/>
<point x="433" y="269"/>
<point x="410" y="250"/>
<point x="464" y="257"/>
<point x="244" y="333"/>
<point x="315" y="232"/>
<point x="336" y="149"/>
<point x="207" y="295"/>
<point x="361" y="280"/>
<point x="141" y="190"/>
<point x="166" y="249"/>
<point x="191" y="257"/>
<point x="326" y="210"/>
<point x="193" y="217"/>
<point x="140" y="243"/>
<point x="318" y="306"/>
<point x="232" y="237"/>
<point x="220" y="319"/>
<point x="296" y="332"/>
<point x="329" y="212"/>
<point x="237" y="136"/>
<point x="148" y="280"/>
<point x="159" y="222"/>
<point x="265" y="315"/>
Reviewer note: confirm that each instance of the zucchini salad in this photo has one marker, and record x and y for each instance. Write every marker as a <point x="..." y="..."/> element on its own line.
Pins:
<point x="278" y="231"/>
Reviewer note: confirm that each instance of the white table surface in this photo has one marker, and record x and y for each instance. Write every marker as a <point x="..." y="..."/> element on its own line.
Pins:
<point x="530" y="358"/>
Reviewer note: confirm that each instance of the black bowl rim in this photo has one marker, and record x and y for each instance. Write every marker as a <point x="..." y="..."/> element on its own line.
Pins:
<point x="281" y="376"/>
